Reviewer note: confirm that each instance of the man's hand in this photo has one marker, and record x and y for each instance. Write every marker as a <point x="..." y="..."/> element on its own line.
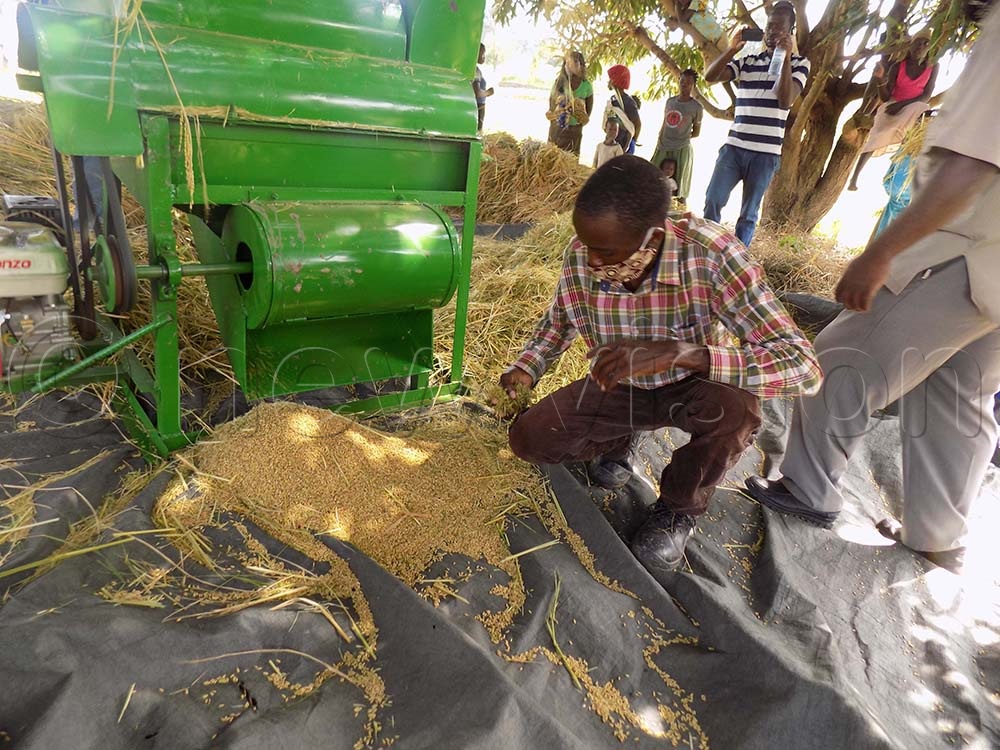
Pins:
<point x="786" y="42"/>
<point x="634" y="359"/>
<point x="736" y="42"/>
<point x="513" y="378"/>
<point x="862" y="279"/>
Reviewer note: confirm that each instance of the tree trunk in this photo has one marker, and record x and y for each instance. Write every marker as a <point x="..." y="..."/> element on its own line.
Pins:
<point x="814" y="170"/>
<point x="815" y="164"/>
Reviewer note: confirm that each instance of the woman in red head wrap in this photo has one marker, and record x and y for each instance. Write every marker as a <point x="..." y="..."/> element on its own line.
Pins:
<point x="623" y="107"/>
<point x="619" y="77"/>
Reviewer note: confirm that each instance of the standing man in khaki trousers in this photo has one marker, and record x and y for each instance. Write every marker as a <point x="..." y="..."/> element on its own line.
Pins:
<point x="922" y="324"/>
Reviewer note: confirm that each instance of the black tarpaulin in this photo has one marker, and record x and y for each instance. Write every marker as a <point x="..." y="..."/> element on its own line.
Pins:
<point x="776" y="635"/>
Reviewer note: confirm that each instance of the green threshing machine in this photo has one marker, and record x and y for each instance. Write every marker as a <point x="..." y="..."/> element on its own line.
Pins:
<point x="314" y="145"/>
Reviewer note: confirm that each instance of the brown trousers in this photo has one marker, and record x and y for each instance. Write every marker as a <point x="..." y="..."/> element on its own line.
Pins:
<point x="580" y="422"/>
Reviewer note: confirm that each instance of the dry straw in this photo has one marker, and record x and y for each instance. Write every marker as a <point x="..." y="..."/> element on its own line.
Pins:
<point x="527" y="181"/>
<point x="806" y="264"/>
<point x="512" y="288"/>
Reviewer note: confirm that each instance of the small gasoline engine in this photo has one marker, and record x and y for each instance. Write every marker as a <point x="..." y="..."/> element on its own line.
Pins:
<point x="35" y="326"/>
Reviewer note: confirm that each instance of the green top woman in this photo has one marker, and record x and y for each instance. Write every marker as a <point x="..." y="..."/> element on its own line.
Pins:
<point x="571" y="101"/>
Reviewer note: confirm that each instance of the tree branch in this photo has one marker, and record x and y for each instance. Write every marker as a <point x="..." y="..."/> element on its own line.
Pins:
<point x="816" y="88"/>
<point x="801" y="22"/>
<point x="642" y="36"/>
<point x="851" y="91"/>
<point x="743" y="14"/>
<point x="863" y="51"/>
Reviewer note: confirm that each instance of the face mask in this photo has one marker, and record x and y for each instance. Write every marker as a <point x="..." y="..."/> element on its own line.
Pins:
<point x="633" y="267"/>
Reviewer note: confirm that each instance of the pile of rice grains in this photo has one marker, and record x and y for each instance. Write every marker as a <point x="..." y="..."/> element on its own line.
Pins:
<point x="297" y="473"/>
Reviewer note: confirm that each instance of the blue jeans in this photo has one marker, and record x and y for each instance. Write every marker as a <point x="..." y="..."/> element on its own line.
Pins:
<point x="755" y="170"/>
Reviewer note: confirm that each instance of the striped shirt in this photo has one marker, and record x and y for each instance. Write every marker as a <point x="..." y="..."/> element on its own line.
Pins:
<point x="760" y="121"/>
<point x="705" y="289"/>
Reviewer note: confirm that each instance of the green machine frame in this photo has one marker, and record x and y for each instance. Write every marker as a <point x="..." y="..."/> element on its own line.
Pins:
<point x="328" y="108"/>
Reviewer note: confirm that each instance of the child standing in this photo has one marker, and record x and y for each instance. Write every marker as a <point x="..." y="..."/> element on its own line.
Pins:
<point x="610" y="148"/>
<point x="479" y="87"/>
<point x="669" y="169"/>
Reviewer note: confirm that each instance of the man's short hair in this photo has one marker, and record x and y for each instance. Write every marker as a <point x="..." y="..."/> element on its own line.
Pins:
<point x="785" y="7"/>
<point x="690" y="72"/>
<point x="631" y="188"/>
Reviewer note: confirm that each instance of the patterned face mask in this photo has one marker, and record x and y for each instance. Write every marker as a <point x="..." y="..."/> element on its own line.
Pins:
<point x="633" y="267"/>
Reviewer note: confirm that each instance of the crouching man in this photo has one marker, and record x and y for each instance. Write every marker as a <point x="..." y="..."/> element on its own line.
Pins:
<point x="683" y="332"/>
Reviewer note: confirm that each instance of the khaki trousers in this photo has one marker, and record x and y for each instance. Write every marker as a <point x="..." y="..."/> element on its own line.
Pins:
<point x="931" y="347"/>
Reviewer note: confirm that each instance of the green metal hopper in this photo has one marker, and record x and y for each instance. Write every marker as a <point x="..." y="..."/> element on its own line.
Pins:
<point x="314" y="145"/>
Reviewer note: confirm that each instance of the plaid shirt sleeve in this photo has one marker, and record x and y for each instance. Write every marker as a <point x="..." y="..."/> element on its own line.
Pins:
<point x="773" y="357"/>
<point x="553" y="334"/>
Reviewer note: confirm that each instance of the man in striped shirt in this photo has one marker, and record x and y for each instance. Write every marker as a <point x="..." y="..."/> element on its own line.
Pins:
<point x="752" y="151"/>
<point x="683" y="331"/>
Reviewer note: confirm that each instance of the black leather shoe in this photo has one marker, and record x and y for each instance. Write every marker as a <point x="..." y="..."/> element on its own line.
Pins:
<point x="952" y="559"/>
<point x="611" y="474"/>
<point x="659" y="543"/>
<point x="776" y="496"/>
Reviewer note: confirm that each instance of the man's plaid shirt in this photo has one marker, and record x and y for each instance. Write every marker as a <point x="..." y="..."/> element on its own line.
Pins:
<point x="705" y="289"/>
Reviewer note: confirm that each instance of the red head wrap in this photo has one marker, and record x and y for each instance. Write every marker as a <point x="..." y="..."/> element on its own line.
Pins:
<point x="619" y="76"/>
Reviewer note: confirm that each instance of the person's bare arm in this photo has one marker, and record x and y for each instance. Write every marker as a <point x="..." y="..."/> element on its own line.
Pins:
<point x="589" y="103"/>
<point x="931" y="83"/>
<point x="787" y="89"/>
<point x="719" y="70"/>
<point x="696" y="125"/>
<point x="638" y="126"/>
<point x="957" y="182"/>
<point x="884" y="80"/>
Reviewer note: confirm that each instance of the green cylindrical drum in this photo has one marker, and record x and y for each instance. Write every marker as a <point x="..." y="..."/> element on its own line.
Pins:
<point x="326" y="260"/>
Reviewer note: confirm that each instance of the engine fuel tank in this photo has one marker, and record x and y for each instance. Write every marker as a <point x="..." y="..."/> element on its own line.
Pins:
<point x="32" y="262"/>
